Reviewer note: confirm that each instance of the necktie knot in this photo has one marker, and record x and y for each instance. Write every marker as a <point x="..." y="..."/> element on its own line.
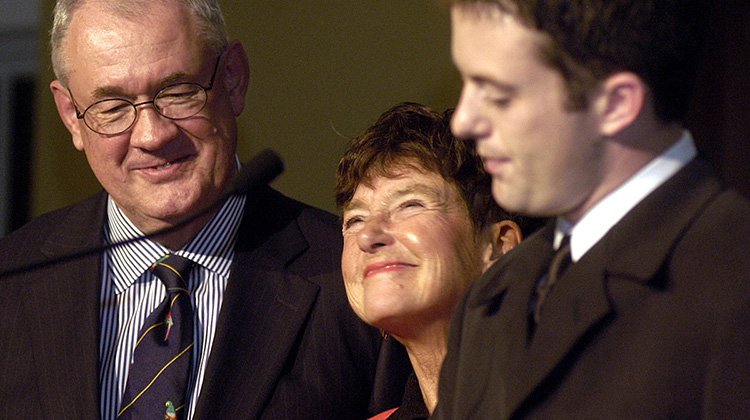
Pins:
<point x="173" y="271"/>
<point x="562" y="258"/>
<point x="560" y="262"/>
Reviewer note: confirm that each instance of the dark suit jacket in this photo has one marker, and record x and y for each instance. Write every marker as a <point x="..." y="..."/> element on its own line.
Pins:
<point x="652" y="322"/>
<point x="412" y="403"/>
<point x="287" y="344"/>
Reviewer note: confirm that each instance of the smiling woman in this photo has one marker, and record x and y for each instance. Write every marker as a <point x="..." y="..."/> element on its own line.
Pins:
<point x="419" y="225"/>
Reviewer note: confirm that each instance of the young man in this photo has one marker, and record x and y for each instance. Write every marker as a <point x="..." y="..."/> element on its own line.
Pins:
<point x="150" y="92"/>
<point x="576" y="108"/>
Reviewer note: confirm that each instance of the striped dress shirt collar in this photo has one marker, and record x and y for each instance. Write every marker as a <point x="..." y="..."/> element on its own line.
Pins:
<point x="212" y="247"/>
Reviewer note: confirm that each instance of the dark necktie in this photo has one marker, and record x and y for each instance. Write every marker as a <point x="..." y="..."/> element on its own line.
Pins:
<point x="560" y="261"/>
<point x="158" y="377"/>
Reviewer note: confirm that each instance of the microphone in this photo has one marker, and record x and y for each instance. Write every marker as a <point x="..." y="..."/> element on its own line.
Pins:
<point x="258" y="171"/>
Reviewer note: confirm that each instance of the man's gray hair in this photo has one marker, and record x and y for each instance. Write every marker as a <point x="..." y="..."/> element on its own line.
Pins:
<point x="207" y="13"/>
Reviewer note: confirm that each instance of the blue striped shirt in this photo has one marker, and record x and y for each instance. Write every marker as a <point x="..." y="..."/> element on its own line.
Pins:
<point x="130" y="293"/>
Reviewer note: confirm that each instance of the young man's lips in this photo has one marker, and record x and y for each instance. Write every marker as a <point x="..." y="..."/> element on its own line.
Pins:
<point x="385" y="267"/>
<point x="493" y="165"/>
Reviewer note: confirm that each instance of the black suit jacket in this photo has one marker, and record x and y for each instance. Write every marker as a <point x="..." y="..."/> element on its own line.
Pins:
<point x="287" y="344"/>
<point x="652" y="322"/>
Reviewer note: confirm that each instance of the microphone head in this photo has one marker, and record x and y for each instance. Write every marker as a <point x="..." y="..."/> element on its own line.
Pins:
<point x="258" y="171"/>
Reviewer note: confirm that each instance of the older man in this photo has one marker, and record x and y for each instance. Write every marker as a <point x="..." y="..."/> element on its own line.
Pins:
<point x="577" y="110"/>
<point x="238" y="311"/>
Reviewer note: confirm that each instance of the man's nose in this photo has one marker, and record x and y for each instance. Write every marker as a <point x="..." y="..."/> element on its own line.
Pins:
<point x="468" y="121"/>
<point x="151" y="130"/>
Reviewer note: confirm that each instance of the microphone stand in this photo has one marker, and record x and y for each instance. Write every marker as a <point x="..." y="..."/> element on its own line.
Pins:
<point x="260" y="170"/>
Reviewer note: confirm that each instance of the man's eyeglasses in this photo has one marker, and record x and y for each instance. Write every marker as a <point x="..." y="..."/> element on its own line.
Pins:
<point x="117" y="115"/>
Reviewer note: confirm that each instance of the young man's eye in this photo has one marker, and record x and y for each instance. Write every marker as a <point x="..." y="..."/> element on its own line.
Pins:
<point x="500" y="102"/>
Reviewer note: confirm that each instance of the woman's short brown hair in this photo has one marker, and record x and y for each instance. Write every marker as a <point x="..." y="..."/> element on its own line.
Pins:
<point x="411" y="133"/>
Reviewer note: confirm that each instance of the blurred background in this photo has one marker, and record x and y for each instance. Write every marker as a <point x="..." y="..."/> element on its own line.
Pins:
<point x="321" y="72"/>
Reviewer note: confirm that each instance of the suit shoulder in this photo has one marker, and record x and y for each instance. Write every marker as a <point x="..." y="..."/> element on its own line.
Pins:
<point x="322" y="231"/>
<point x="732" y="207"/>
<point x="727" y="216"/>
<point x="54" y="234"/>
<point x="725" y="220"/>
<point x="315" y="223"/>
<point x="30" y="236"/>
<point x="288" y="230"/>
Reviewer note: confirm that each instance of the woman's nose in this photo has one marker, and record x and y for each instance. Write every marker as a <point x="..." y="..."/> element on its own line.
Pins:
<point x="375" y="234"/>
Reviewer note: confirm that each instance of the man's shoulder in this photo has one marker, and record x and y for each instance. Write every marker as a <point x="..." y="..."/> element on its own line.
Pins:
<point x="274" y="207"/>
<point x="71" y="217"/>
<point x="732" y="206"/>
<point x="720" y="220"/>
<point x="284" y="230"/>
<point x="721" y="231"/>
<point x="53" y="235"/>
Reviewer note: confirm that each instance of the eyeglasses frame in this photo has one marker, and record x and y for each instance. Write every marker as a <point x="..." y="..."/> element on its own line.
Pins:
<point x="206" y="89"/>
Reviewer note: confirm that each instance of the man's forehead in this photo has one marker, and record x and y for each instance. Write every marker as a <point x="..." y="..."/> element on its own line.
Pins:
<point x="474" y="34"/>
<point x="484" y="10"/>
<point x="107" y="52"/>
<point x="105" y="24"/>
<point x="131" y="9"/>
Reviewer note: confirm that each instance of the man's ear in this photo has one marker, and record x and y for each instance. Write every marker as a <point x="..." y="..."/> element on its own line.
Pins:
<point x="67" y="111"/>
<point x="236" y="72"/>
<point x="501" y="237"/>
<point x="619" y="102"/>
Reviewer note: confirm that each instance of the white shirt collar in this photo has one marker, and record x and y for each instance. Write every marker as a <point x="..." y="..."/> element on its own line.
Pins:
<point x="613" y="207"/>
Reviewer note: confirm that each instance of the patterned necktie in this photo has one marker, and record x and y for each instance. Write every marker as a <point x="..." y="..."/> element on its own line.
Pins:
<point x="559" y="263"/>
<point x="158" y="377"/>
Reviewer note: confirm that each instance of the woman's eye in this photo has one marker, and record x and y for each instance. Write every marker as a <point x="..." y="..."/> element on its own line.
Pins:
<point x="352" y="222"/>
<point x="411" y="204"/>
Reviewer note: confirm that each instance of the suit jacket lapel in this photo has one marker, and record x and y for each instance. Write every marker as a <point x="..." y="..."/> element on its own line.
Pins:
<point x="264" y="308"/>
<point x="62" y="306"/>
<point x="506" y="305"/>
<point x="582" y="302"/>
<point x="571" y="313"/>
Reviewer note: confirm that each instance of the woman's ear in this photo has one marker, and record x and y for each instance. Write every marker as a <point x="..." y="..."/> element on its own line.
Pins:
<point x="501" y="237"/>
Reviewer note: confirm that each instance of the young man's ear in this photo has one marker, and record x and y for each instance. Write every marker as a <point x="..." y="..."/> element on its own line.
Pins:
<point x="502" y="237"/>
<point x="619" y="101"/>
<point x="67" y="111"/>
